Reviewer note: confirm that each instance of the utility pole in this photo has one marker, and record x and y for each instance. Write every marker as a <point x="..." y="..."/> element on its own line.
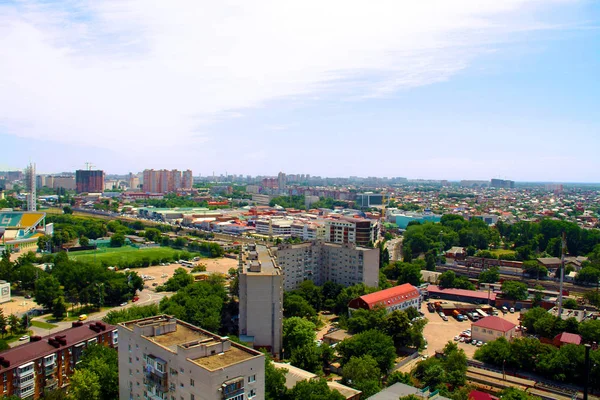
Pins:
<point x="587" y="372"/>
<point x="562" y="274"/>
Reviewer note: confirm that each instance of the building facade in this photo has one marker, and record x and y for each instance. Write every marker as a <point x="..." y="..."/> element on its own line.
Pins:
<point x="48" y="363"/>
<point x="163" y="358"/>
<point x="352" y="230"/>
<point x="89" y="181"/>
<point x="318" y="261"/>
<point x="491" y="328"/>
<point x="261" y="298"/>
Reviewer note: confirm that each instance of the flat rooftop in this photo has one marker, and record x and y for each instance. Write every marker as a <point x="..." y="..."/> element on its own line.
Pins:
<point x="181" y="335"/>
<point x="268" y="265"/>
<point x="222" y="360"/>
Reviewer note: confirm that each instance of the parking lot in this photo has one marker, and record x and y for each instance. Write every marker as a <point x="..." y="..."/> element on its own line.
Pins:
<point x="438" y="332"/>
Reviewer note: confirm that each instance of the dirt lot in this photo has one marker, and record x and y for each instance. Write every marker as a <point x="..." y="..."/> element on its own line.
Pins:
<point x="17" y="305"/>
<point x="221" y="265"/>
<point x="438" y="333"/>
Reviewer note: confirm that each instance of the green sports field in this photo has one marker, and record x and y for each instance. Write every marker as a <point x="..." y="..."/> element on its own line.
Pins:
<point x="126" y="256"/>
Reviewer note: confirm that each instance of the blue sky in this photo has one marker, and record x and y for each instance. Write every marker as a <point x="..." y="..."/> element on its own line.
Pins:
<point x="471" y="90"/>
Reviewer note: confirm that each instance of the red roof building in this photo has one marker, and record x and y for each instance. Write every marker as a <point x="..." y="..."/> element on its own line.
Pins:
<point x="491" y="328"/>
<point x="395" y="298"/>
<point x="566" y="338"/>
<point x="47" y="363"/>
<point x="477" y="395"/>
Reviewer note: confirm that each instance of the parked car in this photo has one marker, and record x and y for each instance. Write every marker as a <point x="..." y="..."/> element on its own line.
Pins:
<point x="83" y="317"/>
<point x="512" y="310"/>
<point x="123" y="304"/>
<point x="479" y="343"/>
<point x="24" y="337"/>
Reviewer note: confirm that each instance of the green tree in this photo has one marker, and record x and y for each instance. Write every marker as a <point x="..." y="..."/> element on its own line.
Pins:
<point x="297" y="333"/>
<point x="307" y="357"/>
<point x="589" y="275"/>
<point x="3" y="322"/>
<point x="514" y="290"/>
<point x="152" y="234"/>
<point x="103" y="362"/>
<point x="374" y="343"/>
<point x="590" y="331"/>
<point x="44" y="243"/>
<point x="67" y="210"/>
<point x="84" y="385"/>
<point x="180" y="279"/>
<point x="47" y="290"/>
<point x="490" y="275"/>
<point x="512" y="393"/>
<point x="313" y="390"/>
<point x="397" y="376"/>
<point x="447" y="279"/>
<point x="274" y="381"/>
<point x="117" y="240"/>
<point x="59" y="309"/>
<point x="295" y="305"/>
<point x="362" y="373"/>
<point x="570" y="304"/>
<point x="14" y="323"/>
<point x="83" y="241"/>
<point x="131" y="313"/>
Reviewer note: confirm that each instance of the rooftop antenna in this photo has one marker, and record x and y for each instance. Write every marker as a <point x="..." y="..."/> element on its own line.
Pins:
<point x="562" y="274"/>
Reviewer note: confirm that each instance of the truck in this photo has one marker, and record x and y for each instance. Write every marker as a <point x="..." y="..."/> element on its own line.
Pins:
<point x="456" y="314"/>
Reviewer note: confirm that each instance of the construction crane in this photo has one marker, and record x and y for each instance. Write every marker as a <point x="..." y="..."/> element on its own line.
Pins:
<point x="89" y="165"/>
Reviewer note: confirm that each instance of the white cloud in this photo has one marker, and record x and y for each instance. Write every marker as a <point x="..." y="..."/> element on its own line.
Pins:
<point x="120" y="73"/>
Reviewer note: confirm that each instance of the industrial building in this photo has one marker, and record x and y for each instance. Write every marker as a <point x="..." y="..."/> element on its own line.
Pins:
<point x="89" y="181"/>
<point x="261" y="298"/>
<point x="318" y="261"/>
<point x="47" y="363"/>
<point x="162" y="357"/>
<point x="469" y="296"/>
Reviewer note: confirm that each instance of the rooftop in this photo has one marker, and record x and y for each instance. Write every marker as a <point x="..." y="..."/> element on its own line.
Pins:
<point x="494" y="323"/>
<point x="434" y="289"/>
<point x="27" y="352"/>
<point x="568" y="338"/>
<point x="396" y="294"/>
<point x="221" y="360"/>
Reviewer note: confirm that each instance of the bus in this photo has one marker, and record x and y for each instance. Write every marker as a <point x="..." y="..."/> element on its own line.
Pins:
<point x="188" y="264"/>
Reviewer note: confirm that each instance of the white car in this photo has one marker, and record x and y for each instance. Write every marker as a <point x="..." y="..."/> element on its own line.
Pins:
<point x="25" y="337"/>
<point x="479" y="343"/>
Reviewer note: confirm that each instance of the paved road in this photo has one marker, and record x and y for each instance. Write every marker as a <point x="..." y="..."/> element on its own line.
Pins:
<point x="146" y="297"/>
<point x="394" y="248"/>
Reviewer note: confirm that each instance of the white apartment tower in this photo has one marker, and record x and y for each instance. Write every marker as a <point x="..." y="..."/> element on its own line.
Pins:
<point x="318" y="261"/>
<point x="162" y="358"/>
<point x="261" y="298"/>
<point x="30" y="183"/>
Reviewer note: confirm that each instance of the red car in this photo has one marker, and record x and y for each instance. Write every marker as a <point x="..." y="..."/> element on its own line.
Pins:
<point x="136" y="298"/>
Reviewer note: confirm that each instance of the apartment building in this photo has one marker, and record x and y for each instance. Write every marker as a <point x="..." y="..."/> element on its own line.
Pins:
<point x="48" y="363"/>
<point x="165" y="181"/>
<point x="318" y="261"/>
<point x="261" y="298"/>
<point x="352" y="230"/>
<point x="164" y="358"/>
<point x="89" y="181"/>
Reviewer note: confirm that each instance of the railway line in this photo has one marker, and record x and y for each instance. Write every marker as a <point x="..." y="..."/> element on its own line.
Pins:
<point x="473" y="272"/>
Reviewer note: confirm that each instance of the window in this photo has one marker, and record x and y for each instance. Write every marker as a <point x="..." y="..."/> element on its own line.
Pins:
<point x="192" y="397"/>
<point x="191" y="383"/>
<point x="252" y="393"/>
<point x="251" y="378"/>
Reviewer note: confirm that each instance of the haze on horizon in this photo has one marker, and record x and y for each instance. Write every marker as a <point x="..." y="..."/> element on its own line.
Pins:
<point x="435" y="90"/>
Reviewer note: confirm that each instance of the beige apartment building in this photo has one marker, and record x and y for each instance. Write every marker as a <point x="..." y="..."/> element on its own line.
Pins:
<point x="318" y="261"/>
<point x="164" y="358"/>
<point x="261" y="298"/>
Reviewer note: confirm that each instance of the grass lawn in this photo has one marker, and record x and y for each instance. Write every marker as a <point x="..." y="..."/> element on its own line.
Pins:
<point x="43" y="325"/>
<point x="14" y="338"/>
<point x="501" y="252"/>
<point x="116" y="255"/>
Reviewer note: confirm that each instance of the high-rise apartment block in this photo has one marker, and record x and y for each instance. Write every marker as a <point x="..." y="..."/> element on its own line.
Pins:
<point x="361" y="231"/>
<point x="47" y="363"/>
<point x="502" y="184"/>
<point x="261" y="298"/>
<point x="165" y="181"/>
<point x="164" y="358"/>
<point x="318" y="261"/>
<point x="31" y="184"/>
<point x="89" y="181"/>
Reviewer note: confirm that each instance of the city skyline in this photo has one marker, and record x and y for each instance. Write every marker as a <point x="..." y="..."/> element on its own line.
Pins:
<point x="471" y="91"/>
